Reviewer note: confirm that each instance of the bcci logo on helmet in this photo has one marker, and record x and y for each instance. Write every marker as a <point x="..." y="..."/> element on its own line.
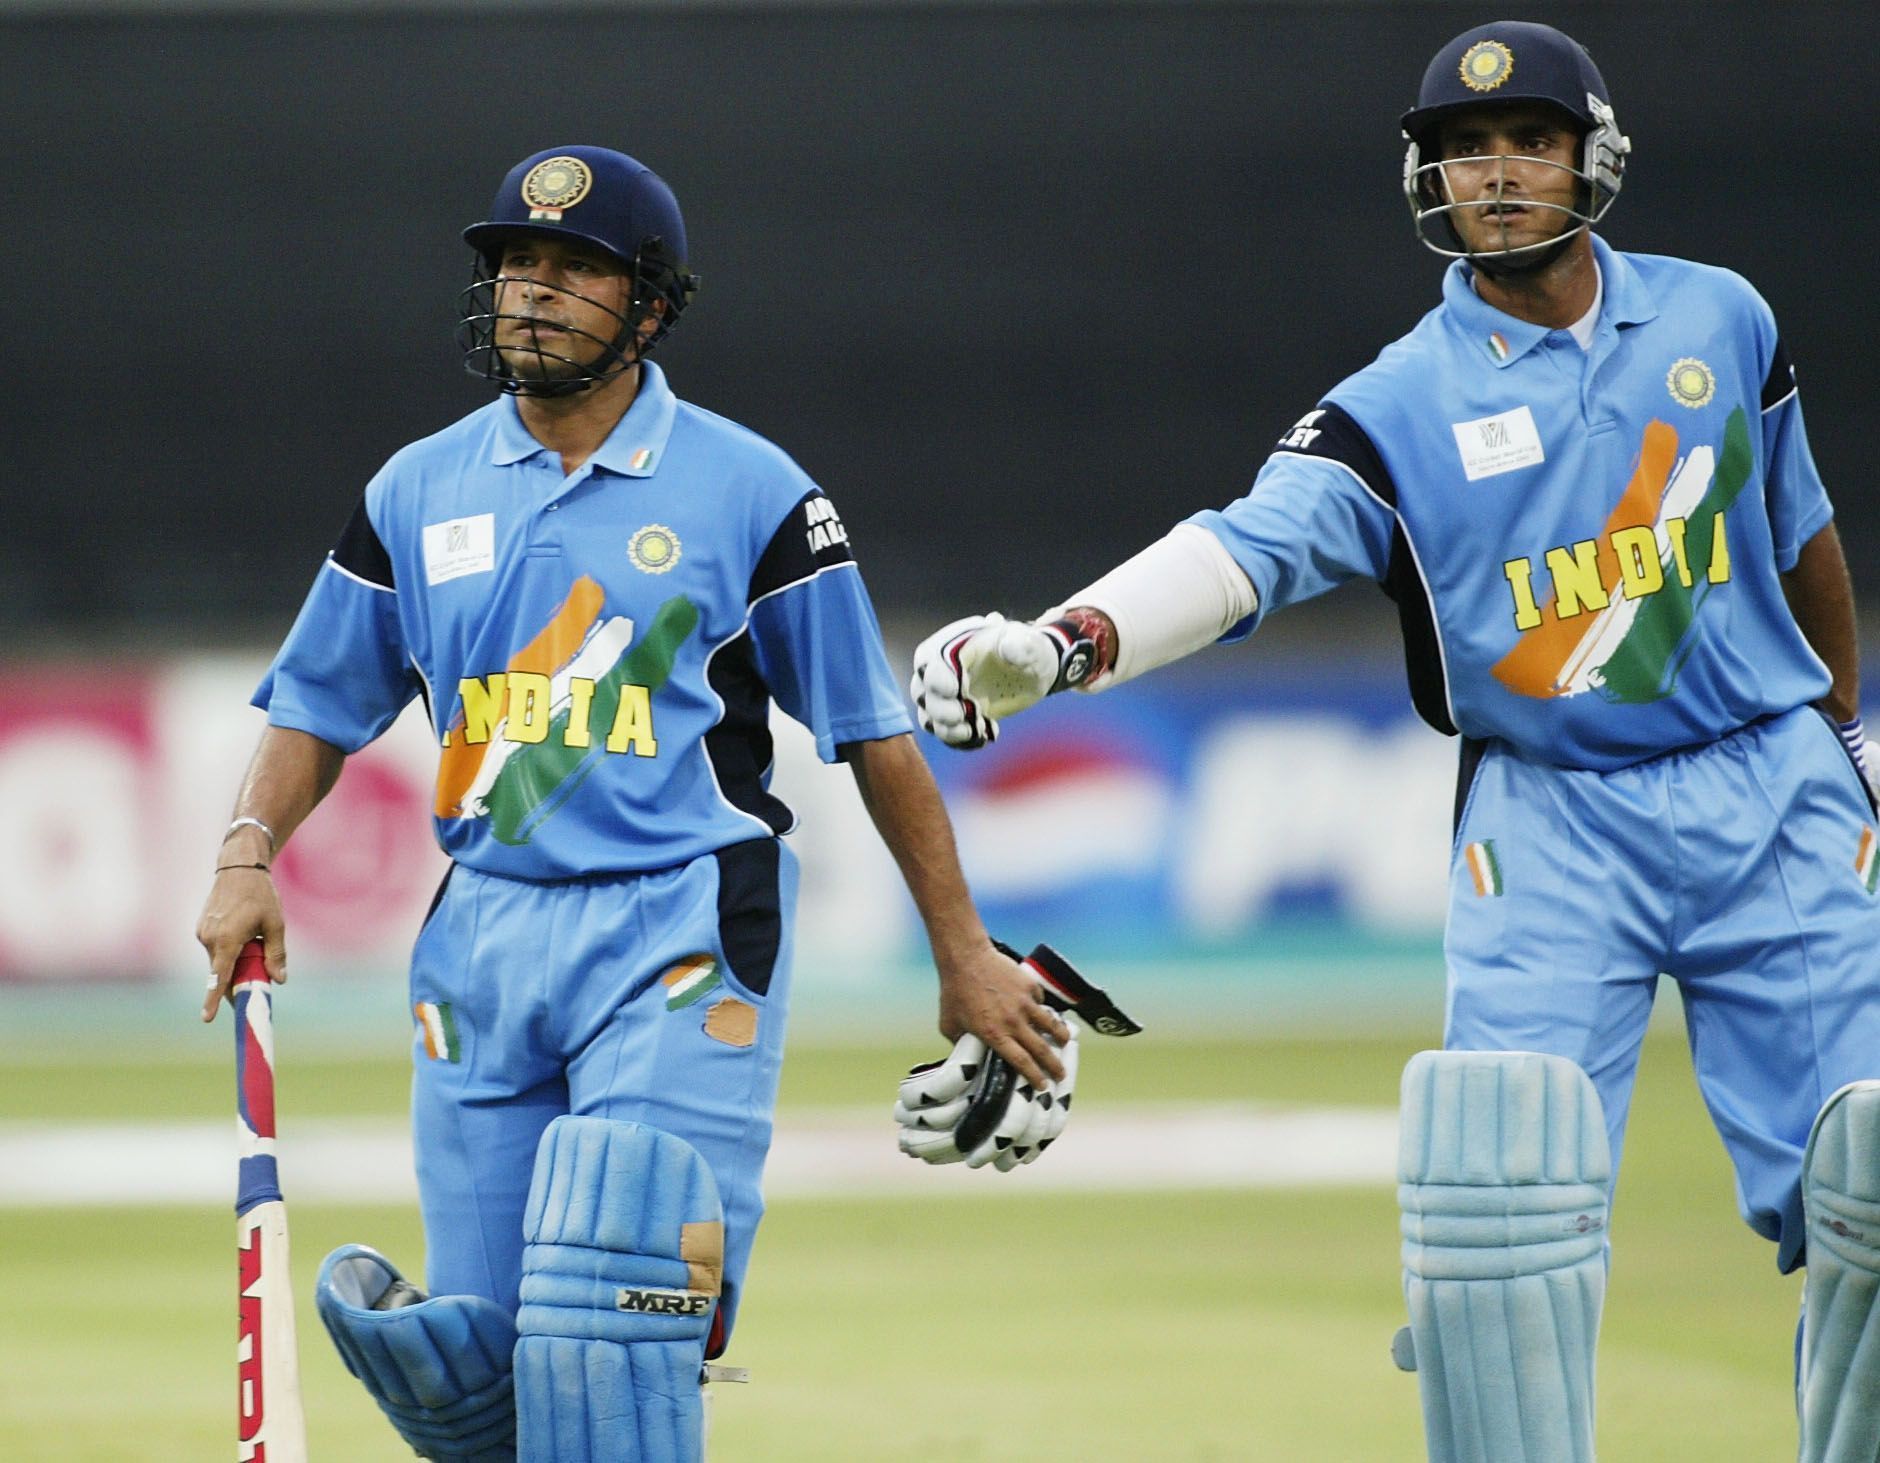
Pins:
<point x="554" y="185"/>
<point x="1486" y="65"/>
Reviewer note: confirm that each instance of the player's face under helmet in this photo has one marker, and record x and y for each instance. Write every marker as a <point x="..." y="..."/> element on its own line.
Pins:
<point x="1511" y="63"/>
<point x="586" y="198"/>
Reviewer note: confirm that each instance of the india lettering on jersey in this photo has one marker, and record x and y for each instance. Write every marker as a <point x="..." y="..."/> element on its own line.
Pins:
<point x="1622" y="616"/>
<point x="525" y="737"/>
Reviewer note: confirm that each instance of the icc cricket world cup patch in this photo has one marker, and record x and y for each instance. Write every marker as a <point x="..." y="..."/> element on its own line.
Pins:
<point x="438" y="1028"/>
<point x="1867" y="860"/>
<point x="690" y="981"/>
<point x="1484" y="867"/>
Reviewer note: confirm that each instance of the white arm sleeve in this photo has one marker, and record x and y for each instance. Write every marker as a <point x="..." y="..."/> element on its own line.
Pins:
<point x="1178" y="595"/>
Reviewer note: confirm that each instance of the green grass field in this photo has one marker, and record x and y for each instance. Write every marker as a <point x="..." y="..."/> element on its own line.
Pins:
<point x="1008" y="1325"/>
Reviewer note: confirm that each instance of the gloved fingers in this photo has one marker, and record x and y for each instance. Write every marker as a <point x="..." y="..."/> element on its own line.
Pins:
<point x="932" y="1084"/>
<point x="945" y="1115"/>
<point x="930" y="1147"/>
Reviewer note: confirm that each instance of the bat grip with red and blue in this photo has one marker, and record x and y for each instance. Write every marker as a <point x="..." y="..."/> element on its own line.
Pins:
<point x="259" y="1180"/>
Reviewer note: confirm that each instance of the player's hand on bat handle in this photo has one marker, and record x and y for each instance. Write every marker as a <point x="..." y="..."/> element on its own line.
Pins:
<point x="971" y="674"/>
<point x="242" y="905"/>
<point x="996" y="999"/>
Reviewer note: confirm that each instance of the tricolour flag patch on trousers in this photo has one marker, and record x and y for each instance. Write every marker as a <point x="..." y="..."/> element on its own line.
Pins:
<point x="690" y="980"/>
<point x="440" y="1031"/>
<point x="1867" y="860"/>
<point x="1484" y="867"/>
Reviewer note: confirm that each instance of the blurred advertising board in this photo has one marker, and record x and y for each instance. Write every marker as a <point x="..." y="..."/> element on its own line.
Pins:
<point x="1184" y="813"/>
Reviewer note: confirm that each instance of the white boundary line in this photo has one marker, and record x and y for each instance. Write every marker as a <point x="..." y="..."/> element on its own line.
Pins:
<point x="837" y="1153"/>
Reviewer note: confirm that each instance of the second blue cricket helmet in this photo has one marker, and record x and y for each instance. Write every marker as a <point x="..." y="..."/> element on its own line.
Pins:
<point x="1504" y="62"/>
<point x="595" y="196"/>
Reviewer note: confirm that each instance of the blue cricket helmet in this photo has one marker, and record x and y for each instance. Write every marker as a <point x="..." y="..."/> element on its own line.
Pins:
<point x="1507" y="61"/>
<point x="593" y="194"/>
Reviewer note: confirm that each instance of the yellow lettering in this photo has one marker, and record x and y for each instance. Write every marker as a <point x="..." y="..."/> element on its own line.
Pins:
<point x="633" y="723"/>
<point x="1527" y="614"/>
<point x="581" y="698"/>
<point x="528" y="707"/>
<point x="1719" y="555"/>
<point x="1639" y="569"/>
<point x="1577" y="588"/>
<point x="1675" y="527"/>
<point x="482" y="706"/>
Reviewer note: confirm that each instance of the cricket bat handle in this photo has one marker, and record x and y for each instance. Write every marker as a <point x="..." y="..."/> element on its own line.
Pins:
<point x="270" y="1426"/>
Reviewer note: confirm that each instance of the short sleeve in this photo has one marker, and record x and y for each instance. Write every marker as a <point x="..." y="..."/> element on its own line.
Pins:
<point x="1798" y="501"/>
<point x="816" y="640"/>
<point x="343" y="673"/>
<point x="1321" y="512"/>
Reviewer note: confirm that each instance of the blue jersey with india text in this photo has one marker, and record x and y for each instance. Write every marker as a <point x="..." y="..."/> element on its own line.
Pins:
<point x="599" y="651"/>
<point x="1585" y="546"/>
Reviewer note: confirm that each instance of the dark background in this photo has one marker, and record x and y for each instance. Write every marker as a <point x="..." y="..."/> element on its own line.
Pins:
<point x="1019" y="284"/>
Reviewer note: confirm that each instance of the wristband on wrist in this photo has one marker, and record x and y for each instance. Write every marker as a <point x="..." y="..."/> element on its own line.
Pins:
<point x="1084" y="648"/>
<point x="1853" y="736"/>
<point x="273" y="843"/>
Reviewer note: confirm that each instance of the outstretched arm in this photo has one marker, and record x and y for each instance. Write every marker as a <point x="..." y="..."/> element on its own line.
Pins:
<point x="1178" y="595"/>
<point x="981" y="991"/>
<point x="290" y="773"/>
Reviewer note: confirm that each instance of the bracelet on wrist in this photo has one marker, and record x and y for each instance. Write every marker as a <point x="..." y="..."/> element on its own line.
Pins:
<point x="224" y="868"/>
<point x="274" y="844"/>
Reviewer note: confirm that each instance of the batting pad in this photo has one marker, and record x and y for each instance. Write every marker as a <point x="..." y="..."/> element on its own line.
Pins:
<point x="621" y="1270"/>
<point x="1504" y="1172"/>
<point x="439" y="1368"/>
<point x="1840" y="1376"/>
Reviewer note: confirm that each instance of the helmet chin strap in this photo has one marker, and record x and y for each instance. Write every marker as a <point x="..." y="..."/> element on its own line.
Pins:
<point x="1512" y="265"/>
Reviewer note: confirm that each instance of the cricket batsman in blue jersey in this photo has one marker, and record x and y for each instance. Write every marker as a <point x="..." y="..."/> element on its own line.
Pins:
<point x="599" y="590"/>
<point x="1584" y="480"/>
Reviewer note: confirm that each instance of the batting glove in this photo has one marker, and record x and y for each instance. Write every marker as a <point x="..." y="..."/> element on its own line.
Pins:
<point x="974" y="672"/>
<point x="974" y="1108"/>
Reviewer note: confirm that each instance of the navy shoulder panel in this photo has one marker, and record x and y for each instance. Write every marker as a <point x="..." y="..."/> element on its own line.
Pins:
<point x="1331" y="432"/>
<point x="811" y="538"/>
<point x="360" y="553"/>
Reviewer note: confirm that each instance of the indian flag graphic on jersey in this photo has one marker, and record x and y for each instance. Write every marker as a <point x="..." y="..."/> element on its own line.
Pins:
<point x="439" y="1030"/>
<point x="1867" y="860"/>
<point x="1484" y="867"/>
<point x="692" y="979"/>
<point x="1622" y="616"/>
<point x="578" y="691"/>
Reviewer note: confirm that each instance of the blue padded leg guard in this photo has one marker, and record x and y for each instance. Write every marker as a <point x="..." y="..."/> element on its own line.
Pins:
<point x="622" y="1266"/>
<point x="1504" y="1173"/>
<point x="439" y="1368"/>
<point x="1840" y="1374"/>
